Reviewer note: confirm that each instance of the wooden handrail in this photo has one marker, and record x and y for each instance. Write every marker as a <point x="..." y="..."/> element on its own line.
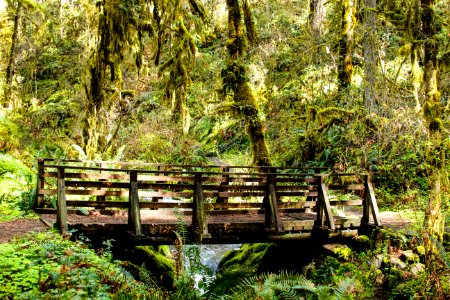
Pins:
<point x="178" y="165"/>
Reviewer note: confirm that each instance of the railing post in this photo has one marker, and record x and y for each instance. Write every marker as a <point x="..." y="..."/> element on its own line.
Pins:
<point x="39" y="199"/>
<point x="134" y="213"/>
<point x="323" y="204"/>
<point x="272" y="216"/>
<point x="102" y="197"/>
<point x="199" y="222"/>
<point x="61" y="205"/>
<point x="156" y="199"/>
<point x="369" y="203"/>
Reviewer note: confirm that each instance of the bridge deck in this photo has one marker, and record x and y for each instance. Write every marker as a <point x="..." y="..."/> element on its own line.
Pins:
<point x="158" y="226"/>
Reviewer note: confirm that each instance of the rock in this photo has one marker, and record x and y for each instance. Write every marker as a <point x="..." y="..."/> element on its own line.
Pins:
<point x="417" y="268"/>
<point x="377" y="261"/>
<point x="248" y="257"/>
<point x="395" y="261"/>
<point x="409" y="257"/>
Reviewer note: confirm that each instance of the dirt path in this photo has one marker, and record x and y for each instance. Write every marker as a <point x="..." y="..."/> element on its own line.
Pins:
<point x="10" y="230"/>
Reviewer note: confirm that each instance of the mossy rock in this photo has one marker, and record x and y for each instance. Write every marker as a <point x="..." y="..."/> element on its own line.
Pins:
<point x="248" y="258"/>
<point x="409" y="256"/>
<point x="342" y="252"/>
<point x="158" y="261"/>
<point x="237" y="265"/>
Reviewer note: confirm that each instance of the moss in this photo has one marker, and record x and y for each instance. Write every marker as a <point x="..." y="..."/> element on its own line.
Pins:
<point x="363" y="239"/>
<point x="157" y="262"/>
<point x="343" y="252"/>
<point x="236" y="265"/>
<point x="248" y="258"/>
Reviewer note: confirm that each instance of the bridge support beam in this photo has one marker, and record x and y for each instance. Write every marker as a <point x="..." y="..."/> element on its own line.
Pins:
<point x="323" y="206"/>
<point x="39" y="200"/>
<point x="272" y="214"/>
<point x="369" y="204"/>
<point x="199" y="222"/>
<point x="134" y="212"/>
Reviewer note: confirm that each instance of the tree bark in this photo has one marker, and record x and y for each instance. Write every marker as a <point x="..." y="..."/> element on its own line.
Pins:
<point x="11" y="56"/>
<point x="345" y="69"/>
<point x="414" y="32"/>
<point x="316" y="16"/>
<point x="370" y="64"/>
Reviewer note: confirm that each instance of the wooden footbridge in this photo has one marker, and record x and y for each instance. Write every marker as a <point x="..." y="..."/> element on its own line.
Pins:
<point x="148" y="203"/>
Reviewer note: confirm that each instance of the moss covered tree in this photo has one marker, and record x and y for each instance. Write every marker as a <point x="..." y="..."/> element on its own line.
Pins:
<point x="241" y="31"/>
<point x="415" y="37"/>
<point x="432" y="112"/>
<point x="346" y="43"/>
<point x="118" y="22"/>
<point x="11" y="54"/>
<point x="370" y="58"/>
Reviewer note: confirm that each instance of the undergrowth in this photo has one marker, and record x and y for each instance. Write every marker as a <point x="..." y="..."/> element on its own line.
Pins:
<point x="48" y="266"/>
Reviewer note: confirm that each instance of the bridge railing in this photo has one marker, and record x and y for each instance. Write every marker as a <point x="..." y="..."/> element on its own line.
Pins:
<point x="202" y="189"/>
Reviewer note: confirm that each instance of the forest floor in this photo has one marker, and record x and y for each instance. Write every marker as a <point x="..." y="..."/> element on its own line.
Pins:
<point x="17" y="228"/>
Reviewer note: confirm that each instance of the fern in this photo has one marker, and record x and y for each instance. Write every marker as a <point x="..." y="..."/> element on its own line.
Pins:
<point x="342" y="289"/>
<point x="286" y="286"/>
<point x="182" y="231"/>
<point x="441" y="252"/>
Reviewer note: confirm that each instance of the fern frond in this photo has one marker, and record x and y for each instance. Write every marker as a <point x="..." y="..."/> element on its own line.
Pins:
<point x="181" y="227"/>
<point x="341" y="290"/>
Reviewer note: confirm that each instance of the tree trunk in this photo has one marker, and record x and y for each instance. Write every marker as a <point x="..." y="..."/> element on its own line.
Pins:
<point x="235" y="78"/>
<point x="432" y="110"/>
<point x="94" y="127"/>
<point x="414" y="32"/>
<point x="10" y="67"/>
<point x="316" y="16"/>
<point x="345" y="69"/>
<point x="370" y="65"/>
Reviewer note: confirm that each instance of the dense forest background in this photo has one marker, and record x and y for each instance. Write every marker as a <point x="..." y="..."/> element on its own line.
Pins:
<point x="354" y="86"/>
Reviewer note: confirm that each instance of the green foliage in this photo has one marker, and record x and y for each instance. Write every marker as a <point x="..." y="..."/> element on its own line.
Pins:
<point x="16" y="189"/>
<point x="47" y="266"/>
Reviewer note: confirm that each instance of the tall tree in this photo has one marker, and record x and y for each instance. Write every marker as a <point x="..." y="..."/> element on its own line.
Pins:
<point x="415" y="36"/>
<point x="115" y="33"/>
<point x="346" y="43"/>
<point x="432" y="110"/>
<point x="370" y="57"/>
<point x="11" y="54"/>
<point x="316" y="16"/>
<point x="235" y="78"/>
